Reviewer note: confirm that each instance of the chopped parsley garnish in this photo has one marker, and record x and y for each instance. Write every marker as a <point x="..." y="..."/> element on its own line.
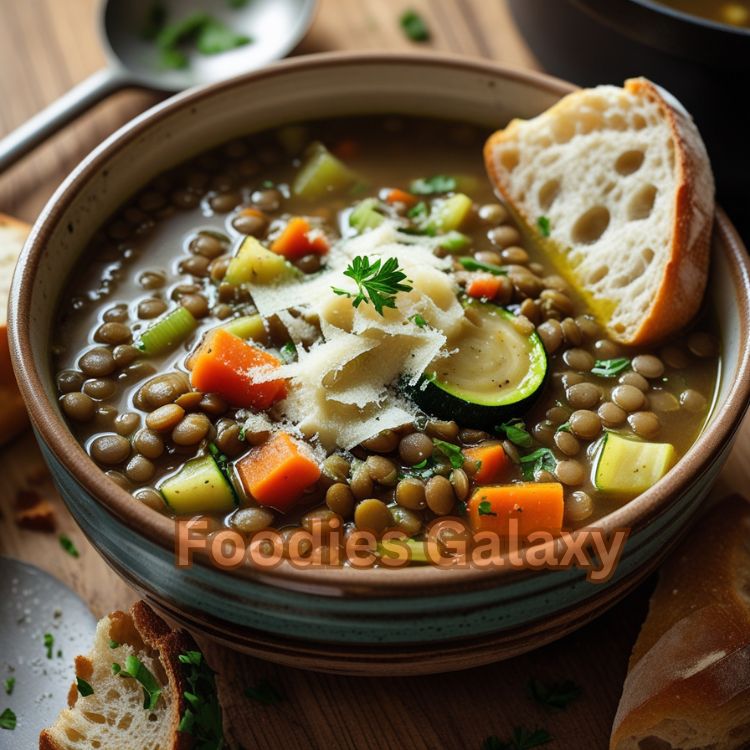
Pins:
<point x="10" y="683"/>
<point x="49" y="644"/>
<point x="542" y="459"/>
<point x="438" y="183"/>
<point x="241" y="435"/>
<point x="215" y="38"/>
<point x="84" y="688"/>
<point x="136" y="669"/>
<point x="7" y="719"/>
<point x="377" y="283"/>
<point x="485" y="508"/>
<point x="451" y="451"/>
<point x="264" y="692"/>
<point x="471" y="264"/>
<point x="288" y="352"/>
<point x="182" y="31"/>
<point x="460" y="507"/>
<point x="564" y="427"/>
<point x="418" y="210"/>
<point x="515" y="430"/>
<point x="610" y="368"/>
<point x="522" y="739"/>
<point x="554" y="694"/>
<point x="114" y="644"/>
<point x="202" y="716"/>
<point x="414" y="26"/>
<point x="419" y="321"/>
<point x="67" y="544"/>
<point x="543" y="225"/>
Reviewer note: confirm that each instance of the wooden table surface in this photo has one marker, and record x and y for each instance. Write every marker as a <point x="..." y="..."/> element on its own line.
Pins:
<point x="46" y="46"/>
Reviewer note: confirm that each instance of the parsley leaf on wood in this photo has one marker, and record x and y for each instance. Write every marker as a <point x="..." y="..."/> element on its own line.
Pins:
<point x="515" y="430"/>
<point x="542" y="459"/>
<point x="414" y="26"/>
<point x="67" y="544"/>
<point x="264" y="692"/>
<point x="610" y="368"/>
<point x="377" y="282"/>
<point x="554" y="694"/>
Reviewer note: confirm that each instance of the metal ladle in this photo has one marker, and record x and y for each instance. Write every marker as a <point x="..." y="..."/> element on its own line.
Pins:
<point x="274" y="26"/>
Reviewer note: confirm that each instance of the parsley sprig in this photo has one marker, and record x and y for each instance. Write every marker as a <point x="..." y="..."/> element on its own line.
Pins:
<point x="377" y="282"/>
<point x="515" y="430"/>
<point x="542" y="459"/>
<point x="202" y="716"/>
<point x="610" y="368"/>
<point x="136" y="669"/>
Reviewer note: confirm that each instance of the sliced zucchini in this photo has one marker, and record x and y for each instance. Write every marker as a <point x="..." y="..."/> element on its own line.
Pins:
<point x="450" y="214"/>
<point x="494" y="372"/>
<point x="321" y="174"/>
<point x="365" y="215"/>
<point x="199" y="487"/>
<point x="628" y="467"/>
<point x="167" y="332"/>
<point x="394" y="548"/>
<point x="247" y="327"/>
<point x="255" y="264"/>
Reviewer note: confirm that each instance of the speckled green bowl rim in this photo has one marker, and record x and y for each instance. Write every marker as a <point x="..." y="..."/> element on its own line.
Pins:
<point x="377" y="582"/>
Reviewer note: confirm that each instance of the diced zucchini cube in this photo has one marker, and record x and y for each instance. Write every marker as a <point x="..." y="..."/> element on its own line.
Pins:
<point x="629" y="467"/>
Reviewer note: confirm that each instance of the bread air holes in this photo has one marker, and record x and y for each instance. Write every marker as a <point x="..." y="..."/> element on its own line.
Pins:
<point x="590" y="226"/>
<point x="638" y="121"/>
<point x="547" y="194"/>
<point x="629" y="162"/>
<point x="598" y="274"/>
<point x="642" y="203"/>
<point x="94" y="718"/>
<point x="509" y="158"/>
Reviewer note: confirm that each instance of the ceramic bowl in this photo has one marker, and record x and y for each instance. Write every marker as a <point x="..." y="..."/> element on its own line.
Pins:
<point x="376" y="621"/>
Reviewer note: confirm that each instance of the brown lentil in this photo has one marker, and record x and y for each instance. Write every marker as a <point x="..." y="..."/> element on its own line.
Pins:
<point x="504" y="236"/>
<point x="663" y="401"/>
<point x="127" y="423"/>
<point x="113" y="333"/>
<point x="322" y="519"/>
<point x="439" y="495"/>
<point x="514" y="254"/>
<point x="139" y="469"/>
<point x="628" y="397"/>
<point x="124" y="354"/>
<point x="267" y="200"/>
<point x="340" y="499"/>
<point x="489" y="256"/>
<point x="161" y="390"/>
<point x="196" y="304"/>
<point x="551" y="334"/>
<point x="570" y="472"/>
<point x="567" y="443"/>
<point x="442" y="430"/>
<point x="410" y="493"/>
<point x="213" y="405"/>
<point x="578" y="506"/>
<point x="406" y="520"/>
<point x="251" y="520"/>
<point x="585" y="424"/>
<point x="151" y="308"/>
<point x="336" y="468"/>
<point x="97" y="362"/>
<point x="578" y="359"/>
<point x="384" y="442"/>
<point x="415" y="448"/>
<point x="693" y="401"/>
<point x="69" y="381"/>
<point x="702" y="344"/>
<point x="148" y="443"/>
<point x="648" y="366"/>
<point x="78" y="406"/>
<point x="110" y="449"/>
<point x="165" y="418"/>
<point x="675" y="357"/>
<point x="150" y="497"/>
<point x="228" y="438"/>
<point x="611" y="414"/>
<point x="583" y="395"/>
<point x="372" y="515"/>
<point x="493" y="213"/>
<point x="634" y="379"/>
<point x="361" y="482"/>
<point x="644" y="423"/>
<point x="460" y="483"/>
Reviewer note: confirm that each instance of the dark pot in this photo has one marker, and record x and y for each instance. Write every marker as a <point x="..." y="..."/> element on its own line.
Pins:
<point x="704" y="64"/>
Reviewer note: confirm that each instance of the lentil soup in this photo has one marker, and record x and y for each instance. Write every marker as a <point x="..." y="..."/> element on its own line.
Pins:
<point x="339" y="321"/>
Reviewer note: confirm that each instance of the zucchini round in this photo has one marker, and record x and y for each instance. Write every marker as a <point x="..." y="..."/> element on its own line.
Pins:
<point x="494" y="373"/>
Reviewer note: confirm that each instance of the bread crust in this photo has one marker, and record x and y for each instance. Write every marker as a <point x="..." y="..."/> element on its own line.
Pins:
<point x="690" y="668"/>
<point x="685" y="275"/>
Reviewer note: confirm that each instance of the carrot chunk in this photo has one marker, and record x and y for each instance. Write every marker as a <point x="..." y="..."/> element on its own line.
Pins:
<point x="277" y="473"/>
<point x="222" y="365"/>
<point x="298" y="238"/>
<point x="494" y="462"/>
<point x="485" y="286"/>
<point x="396" y="195"/>
<point x="537" y="506"/>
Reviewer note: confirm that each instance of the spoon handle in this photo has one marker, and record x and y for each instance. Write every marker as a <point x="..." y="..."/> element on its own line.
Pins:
<point x="60" y="112"/>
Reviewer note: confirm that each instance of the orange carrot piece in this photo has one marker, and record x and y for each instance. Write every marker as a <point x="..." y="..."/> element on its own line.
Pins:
<point x="484" y="286"/>
<point x="494" y="462"/>
<point x="278" y="472"/>
<point x="221" y="365"/>
<point x="347" y="149"/>
<point x="537" y="506"/>
<point x="298" y="239"/>
<point x="396" y="195"/>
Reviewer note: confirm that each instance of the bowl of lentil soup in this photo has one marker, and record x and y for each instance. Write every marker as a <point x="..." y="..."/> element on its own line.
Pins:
<point x="144" y="290"/>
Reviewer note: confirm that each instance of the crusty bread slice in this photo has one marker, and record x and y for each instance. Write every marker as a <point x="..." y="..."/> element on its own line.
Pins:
<point x="113" y="716"/>
<point x="688" y="684"/>
<point x="12" y="410"/>
<point x="623" y="179"/>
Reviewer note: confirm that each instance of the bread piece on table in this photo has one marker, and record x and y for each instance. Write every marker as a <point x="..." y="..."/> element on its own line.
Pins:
<point x="113" y="716"/>
<point x="12" y="410"/>
<point x="622" y="177"/>
<point x="688" y="683"/>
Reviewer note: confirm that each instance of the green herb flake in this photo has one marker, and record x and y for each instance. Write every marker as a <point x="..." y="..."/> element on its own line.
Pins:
<point x="434" y="185"/>
<point x="564" y="427"/>
<point x="419" y="321"/>
<point x="116" y="668"/>
<point x="214" y="38"/>
<point x="543" y="226"/>
<point x="554" y="695"/>
<point x="542" y="459"/>
<point x="67" y="544"/>
<point x="114" y="644"/>
<point x="471" y="264"/>
<point x="242" y="434"/>
<point x="202" y="716"/>
<point x="7" y="719"/>
<point x="485" y="508"/>
<point x="49" y="644"/>
<point x="610" y="368"/>
<point x="515" y="430"/>
<point x="170" y="59"/>
<point x="264" y="692"/>
<point x="136" y="669"/>
<point x="454" y="241"/>
<point x="84" y="688"/>
<point x="418" y="210"/>
<point x="451" y="451"/>
<point x="288" y="352"/>
<point x="377" y="282"/>
<point x="10" y="683"/>
<point x="414" y="26"/>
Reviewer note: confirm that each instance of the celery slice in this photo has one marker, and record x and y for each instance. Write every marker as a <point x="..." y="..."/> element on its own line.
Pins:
<point x="321" y="174"/>
<point x="166" y="333"/>
<point x="454" y="241"/>
<point x="247" y="327"/>
<point x="393" y="548"/>
<point x="629" y="467"/>
<point x="199" y="487"/>
<point x="365" y="215"/>
<point x="449" y="214"/>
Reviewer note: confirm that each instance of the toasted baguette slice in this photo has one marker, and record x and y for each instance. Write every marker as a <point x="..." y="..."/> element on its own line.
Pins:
<point x="113" y="716"/>
<point x="623" y="178"/>
<point x="688" y="683"/>
<point x="12" y="410"/>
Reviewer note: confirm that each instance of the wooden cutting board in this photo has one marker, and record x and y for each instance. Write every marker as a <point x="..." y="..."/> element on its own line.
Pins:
<point x="456" y="710"/>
